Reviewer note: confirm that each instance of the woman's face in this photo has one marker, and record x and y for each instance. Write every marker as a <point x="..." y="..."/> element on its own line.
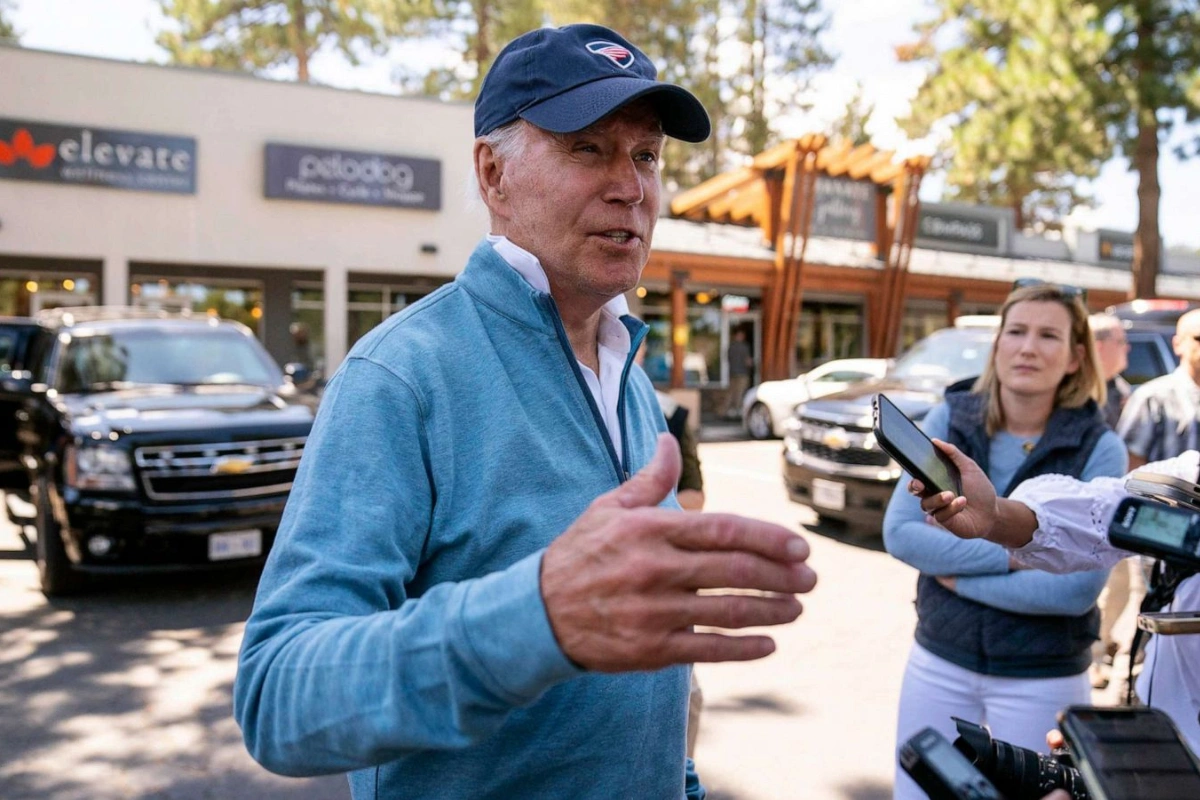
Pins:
<point x="1034" y="351"/>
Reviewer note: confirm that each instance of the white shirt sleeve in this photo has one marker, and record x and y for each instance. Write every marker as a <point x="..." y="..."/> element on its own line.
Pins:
<point x="1073" y="517"/>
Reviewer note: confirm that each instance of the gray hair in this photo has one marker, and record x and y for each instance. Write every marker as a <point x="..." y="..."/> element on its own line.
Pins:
<point x="506" y="142"/>
<point x="1103" y="324"/>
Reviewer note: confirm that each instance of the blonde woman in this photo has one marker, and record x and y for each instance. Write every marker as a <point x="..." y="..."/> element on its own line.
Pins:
<point x="996" y="644"/>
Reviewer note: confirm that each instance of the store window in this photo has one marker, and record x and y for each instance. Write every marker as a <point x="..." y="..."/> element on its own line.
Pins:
<point x="307" y="325"/>
<point x="25" y="295"/>
<point x="828" y="330"/>
<point x="370" y="304"/>
<point x="920" y="320"/>
<point x="236" y="300"/>
<point x="703" y="353"/>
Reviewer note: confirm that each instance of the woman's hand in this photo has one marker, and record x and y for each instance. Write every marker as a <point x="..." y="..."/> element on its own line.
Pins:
<point x="969" y="516"/>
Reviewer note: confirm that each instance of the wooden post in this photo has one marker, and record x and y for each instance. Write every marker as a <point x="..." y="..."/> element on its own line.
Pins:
<point x="679" y="326"/>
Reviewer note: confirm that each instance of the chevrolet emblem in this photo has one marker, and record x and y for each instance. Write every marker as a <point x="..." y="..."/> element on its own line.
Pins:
<point x="231" y="465"/>
<point x="836" y="439"/>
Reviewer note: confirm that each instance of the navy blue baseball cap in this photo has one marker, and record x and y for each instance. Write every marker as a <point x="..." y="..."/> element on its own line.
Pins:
<point x="564" y="79"/>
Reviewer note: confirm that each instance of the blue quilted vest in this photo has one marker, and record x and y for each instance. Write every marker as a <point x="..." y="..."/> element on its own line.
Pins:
<point x="987" y="640"/>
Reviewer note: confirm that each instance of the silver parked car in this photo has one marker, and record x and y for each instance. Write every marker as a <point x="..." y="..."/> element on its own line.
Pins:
<point x="767" y="406"/>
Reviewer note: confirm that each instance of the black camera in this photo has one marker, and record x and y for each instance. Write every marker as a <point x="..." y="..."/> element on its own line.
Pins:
<point x="1018" y="773"/>
<point x="1162" y="519"/>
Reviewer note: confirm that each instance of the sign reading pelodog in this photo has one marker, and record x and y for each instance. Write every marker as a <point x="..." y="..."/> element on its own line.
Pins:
<point x="347" y="176"/>
<point x="82" y="154"/>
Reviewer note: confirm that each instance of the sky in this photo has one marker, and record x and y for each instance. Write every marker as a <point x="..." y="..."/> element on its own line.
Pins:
<point x="863" y="35"/>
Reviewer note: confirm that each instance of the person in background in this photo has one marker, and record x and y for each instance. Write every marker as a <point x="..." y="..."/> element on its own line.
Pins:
<point x="741" y="365"/>
<point x="482" y="585"/>
<point x="1126" y="584"/>
<point x="997" y="644"/>
<point x="1162" y="417"/>
<point x="1112" y="353"/>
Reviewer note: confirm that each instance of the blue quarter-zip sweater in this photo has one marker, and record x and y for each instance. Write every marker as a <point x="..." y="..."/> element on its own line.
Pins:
<point x="399" y="631"/>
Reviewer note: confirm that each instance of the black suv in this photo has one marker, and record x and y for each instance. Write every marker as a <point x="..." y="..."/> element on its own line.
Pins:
<point x="152" y="441"/>
<point x="831" y="460"/>
<point x="1150" y="327"/>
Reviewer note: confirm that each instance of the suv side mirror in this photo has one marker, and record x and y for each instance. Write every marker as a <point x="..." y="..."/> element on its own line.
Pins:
<point x="296" y="373"/>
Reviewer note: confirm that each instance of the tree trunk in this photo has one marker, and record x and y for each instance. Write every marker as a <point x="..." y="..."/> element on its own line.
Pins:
<point x="298" y="39"/>
<point x="1146" y="242"/>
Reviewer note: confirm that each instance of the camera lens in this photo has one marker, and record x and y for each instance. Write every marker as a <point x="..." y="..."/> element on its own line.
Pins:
<point x="1018" y="773"/>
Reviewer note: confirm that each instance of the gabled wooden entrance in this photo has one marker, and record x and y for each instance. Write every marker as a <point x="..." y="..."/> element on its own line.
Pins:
<point x="777" y="193"/>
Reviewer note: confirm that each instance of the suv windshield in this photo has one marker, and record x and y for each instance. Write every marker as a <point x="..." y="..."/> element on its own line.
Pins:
<point x="100" y="361"/>
<point x="945" y="356"/>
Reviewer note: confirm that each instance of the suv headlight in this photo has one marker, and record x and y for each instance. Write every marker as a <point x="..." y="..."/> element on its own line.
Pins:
<point x="99" y="466"/>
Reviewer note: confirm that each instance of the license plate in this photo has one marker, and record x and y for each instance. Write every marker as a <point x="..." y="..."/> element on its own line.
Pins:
<point x="829" y="494"/>
<point x="234" y="544"/>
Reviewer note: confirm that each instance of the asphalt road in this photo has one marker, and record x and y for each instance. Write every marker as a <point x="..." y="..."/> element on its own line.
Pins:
<point x="126" y="693"/>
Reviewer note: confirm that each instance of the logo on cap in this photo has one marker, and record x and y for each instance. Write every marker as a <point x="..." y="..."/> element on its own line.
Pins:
<point x="621" y="56"/>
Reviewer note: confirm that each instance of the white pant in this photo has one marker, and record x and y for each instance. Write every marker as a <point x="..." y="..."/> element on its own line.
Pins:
<point x="1019" y="711"/>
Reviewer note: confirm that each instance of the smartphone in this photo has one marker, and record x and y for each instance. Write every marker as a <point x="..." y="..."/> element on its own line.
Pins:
<point x="1126" y="753"/>
<point x="1170" y="623"/>
<point x="900" y="437"/>
<point x="942" y="771"/>
<point x="1164" y="488"/>
<point x="1147" y="526"/>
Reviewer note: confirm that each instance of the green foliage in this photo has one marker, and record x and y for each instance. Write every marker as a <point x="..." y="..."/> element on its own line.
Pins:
<point x="852" y="125"/>
<point x="8" y="34"/>
<point x="261" y="35"/>
<point x="729" y="53"/>
<point x="1020" y="109"/>
<point x="1039" y="93"/>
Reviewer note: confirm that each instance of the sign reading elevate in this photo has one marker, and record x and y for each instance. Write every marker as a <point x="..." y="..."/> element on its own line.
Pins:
<point x="844" y="209"/>
<point x="79" y="154"/>
<point x="347" y="176"/>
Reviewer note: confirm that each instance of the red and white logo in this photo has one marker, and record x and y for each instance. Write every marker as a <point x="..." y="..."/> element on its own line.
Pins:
<point x="22" y="146"/>
<point x="621" y="56"/>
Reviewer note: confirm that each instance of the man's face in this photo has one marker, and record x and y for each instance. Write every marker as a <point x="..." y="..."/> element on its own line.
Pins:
<point x="586" y="203"/>
<point x="1187" y="344"/>
<point x="1112" y="349"/>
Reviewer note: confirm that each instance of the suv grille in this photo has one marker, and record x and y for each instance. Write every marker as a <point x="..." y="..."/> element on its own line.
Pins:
<point x="840" y="444"/>
<point x="218" y="471"/>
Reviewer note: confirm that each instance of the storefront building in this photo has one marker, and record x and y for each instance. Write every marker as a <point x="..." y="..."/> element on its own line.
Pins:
<point x="311" y="214"/>
<point x="270" y="203"/>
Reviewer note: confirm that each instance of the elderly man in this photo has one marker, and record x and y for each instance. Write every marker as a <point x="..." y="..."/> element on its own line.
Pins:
<point x="482" y="586"/>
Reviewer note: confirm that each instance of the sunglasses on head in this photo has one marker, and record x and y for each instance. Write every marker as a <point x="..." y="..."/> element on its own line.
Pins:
<point x="1066" y="290"/>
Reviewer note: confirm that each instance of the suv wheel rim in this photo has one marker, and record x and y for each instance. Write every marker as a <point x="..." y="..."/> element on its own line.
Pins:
<point x="758" y="421"/>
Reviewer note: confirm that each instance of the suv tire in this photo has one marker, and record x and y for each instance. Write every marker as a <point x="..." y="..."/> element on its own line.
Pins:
<point x="57" y="576"/>
<point x="759" y="423"/>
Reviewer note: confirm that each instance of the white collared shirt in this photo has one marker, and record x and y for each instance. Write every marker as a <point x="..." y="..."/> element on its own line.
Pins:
<point x="1072" y="535"/>
<point x="613" y="338"/>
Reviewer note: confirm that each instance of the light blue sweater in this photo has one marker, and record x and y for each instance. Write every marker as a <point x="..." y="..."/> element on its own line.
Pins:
<point x="981" y="567"/>
<point x="399" y="629"/>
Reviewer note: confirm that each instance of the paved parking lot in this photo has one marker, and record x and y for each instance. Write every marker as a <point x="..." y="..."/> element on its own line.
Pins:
<point x="126" y="693"/>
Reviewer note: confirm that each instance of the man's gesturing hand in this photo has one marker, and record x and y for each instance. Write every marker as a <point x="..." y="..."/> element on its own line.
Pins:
<point x="620" y="585"/>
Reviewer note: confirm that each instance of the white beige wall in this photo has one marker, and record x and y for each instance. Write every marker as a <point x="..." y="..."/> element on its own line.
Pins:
<point x="228" y="222"/>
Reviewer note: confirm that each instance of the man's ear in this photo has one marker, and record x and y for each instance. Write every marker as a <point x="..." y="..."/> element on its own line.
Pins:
<point x="489" y="172"/>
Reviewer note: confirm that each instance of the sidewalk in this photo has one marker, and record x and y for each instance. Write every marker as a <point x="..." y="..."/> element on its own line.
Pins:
<point x="716" y="429"/>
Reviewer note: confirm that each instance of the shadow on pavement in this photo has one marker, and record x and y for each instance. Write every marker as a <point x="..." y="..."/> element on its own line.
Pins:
<point x="127" y="692"/>
<point x="867" y="790"/>
<point x="753" y="703"/>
